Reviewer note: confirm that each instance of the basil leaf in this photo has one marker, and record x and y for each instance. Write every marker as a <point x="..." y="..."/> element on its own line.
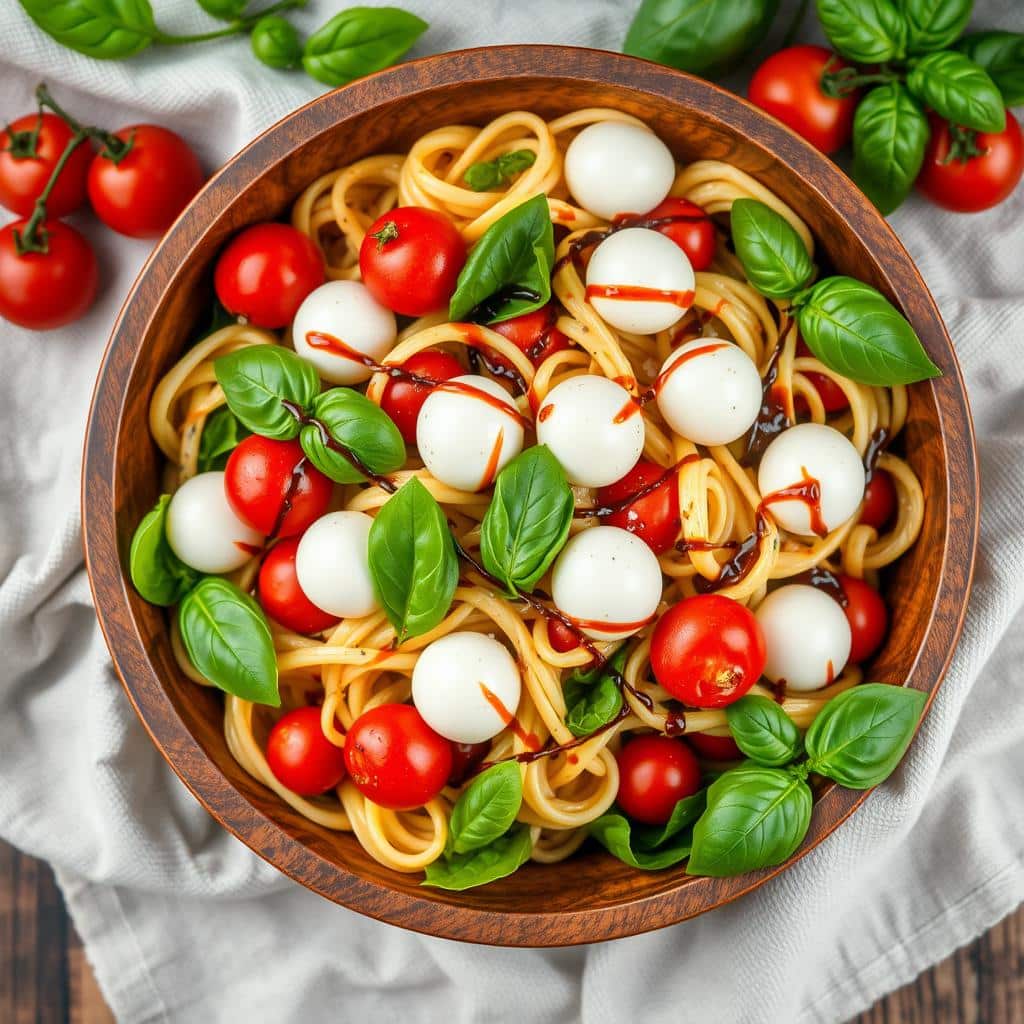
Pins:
<point x="1001" y="54"/>
<point x="615" y="833"/>
<point x="518" y="250"/>
<point x="866" y="31"/>
<point x="228" y="640"/>
<point x="412" y="560"/>
<point x="593" y="699"/>
<point x="158" y="574"/>
<point x="684" y="814"/>
<point x="275" y="42"/>
<point x="756" y="818"/>
<point x="487" y="808"/>
<point x="860" y="736"/>
<point x="258" y="379"/>
<point x="489" y="174"/>
<point x="774" y="258"/>
<point x="105" y="29"/>
<point x="221" y="435"/>
<point x="857" y="332"/>
<point x="959" y="90"/>
<point x="704" y="37"/>
<point x="934" y="24"/>
<point x="226" y="10"/>
<point x="890" y="133"/>
<point x="358" y="41"/>
<point x="763" y="731"/>
<point x="487" y="864"/>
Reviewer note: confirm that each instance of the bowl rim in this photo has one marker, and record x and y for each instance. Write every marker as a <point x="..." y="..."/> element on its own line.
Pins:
<point x="231" y="808"/>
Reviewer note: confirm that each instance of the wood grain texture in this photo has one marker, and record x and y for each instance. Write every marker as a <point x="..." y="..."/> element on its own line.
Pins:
<point x="593" y="896"/>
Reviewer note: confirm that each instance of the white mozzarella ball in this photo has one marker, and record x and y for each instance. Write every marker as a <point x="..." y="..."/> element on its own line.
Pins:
<point x="819" y="452"/>
<point x="332" y="565"/>
<point x="204" y="531"/>
<point x="709" y="391"/>
<point x="607" y="581"/>
<point x="465" y="438"/>
<point x="448" y="684"/>
<point x="806" y="637"/>
<point x="347" y="311"/>
<point x="644" y="259"/>
<point x="612" y="167"/>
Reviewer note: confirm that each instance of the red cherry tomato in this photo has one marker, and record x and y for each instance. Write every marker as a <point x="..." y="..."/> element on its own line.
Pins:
<point x="865" y="611"/>
<point x="714" y="748"/>
<point x="23" y="178"/>
<point x="301" y="756"/>
<point x="695" y="235"/>
<point x="534" y="334"/>
<point x="282" y="598"/>
<point x="465" y="758"/>
<point x="707" y="651"/>
<point x="832" y="396"/>
<point x="265" y="272"/>
<point x="788" y="86"/>
<point x="142" y="194"/>
<point x="655" y="773"/>
<point x="262" y="474"/>
<point x="654" y="518"/>
<point x="879" y="500"/>
<point x="979" y="181"/>
<point x="561" y="637"/>
<point x="395" y="759"/>
<point x="42" y="290"/>
<point x="402" y="399"/>
<point x="410" y="260"/>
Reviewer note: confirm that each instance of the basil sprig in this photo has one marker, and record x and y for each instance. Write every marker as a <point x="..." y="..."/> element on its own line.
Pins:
<point x="490" y="174"/>
<point x="488" y="863"/>
<point x="959" y="90"/>
<point x="866" y="31"/>
<point x="226" y="10"/>
<point x="593" y="699"/>
<point x="157" y="573"/>
<point x="649" y="847"/>
<point x="934" y="24"/>
<point x="221" y="434"/>
<point x="773" y="255"/>
<point x="763" y="731"/>
<point x="1001" y="54"/>
<point x="486" y="809"/>
<point x="106" y="29"/>
<point x="275" y="42"/>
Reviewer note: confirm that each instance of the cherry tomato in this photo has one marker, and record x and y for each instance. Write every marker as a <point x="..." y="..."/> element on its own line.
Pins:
<point x="879" y="500"/>
<point x="655" y="773"/>
<point x="42" y="290"/>
<point x="23" y="178"/>
<point x="832" y="396"/>
<point x="695" y="235"/>
<point x="788" y="86"/>
<point x="282" y="598"/>
<point x="465" y="758"/>
<point x="301" y="756"/>
<point x="261" y="475"/>
<point x="654" y="518"/>
<point x="402" y="399"/>
<point x="714" y="748"/>
<point x="865" y="611"/>
<point x="534" y="334"/>
<point x="265" y="272"/>
<point x="707" y="651"/>
<point x="561" y="637"/>
<point x="978" y="182"/>
<point x="142" y="194"/>
<point x="410" y="260"/>
<point x="395" y="759"/>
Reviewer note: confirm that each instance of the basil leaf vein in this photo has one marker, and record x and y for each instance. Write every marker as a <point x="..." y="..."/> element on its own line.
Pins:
<point x="275" y="42"/>
<point x="221" y="434"/>
<point x="157" y="573"/>
<point x="487" y="864"/>
<point x="773" y="255"/>
<point x="866" y="31"/>
<point x="105" y="29"/>
<point x="1001" y="54"/>
<point x="763" y="731"/>
<point x="594" y="699"/>
<point x="490" y="174"/>
<point x="934" y="24"/>
<point x="959" y="90"/>
<point x="487" y="808"/>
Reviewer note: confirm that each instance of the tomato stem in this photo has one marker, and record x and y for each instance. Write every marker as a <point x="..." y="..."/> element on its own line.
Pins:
<point x="840" y="82"/>
<point x="236" y="27"/>
<point x="113" y="147"/>
<point x="387" y="233"/>
<point x="963" y="144"/>
<point x="25" y="145"/>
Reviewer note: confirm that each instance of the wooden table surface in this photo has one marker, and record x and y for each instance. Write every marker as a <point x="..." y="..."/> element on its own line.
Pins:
<point x="45" y="979"/>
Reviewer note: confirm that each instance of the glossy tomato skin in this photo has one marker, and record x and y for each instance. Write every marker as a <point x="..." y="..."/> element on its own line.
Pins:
<point x="561" y="637"/>
<point x="714" y="748"/>
<point x="654" y="518"/>
<point x="832" y="396"/>
<point x="265" y="272"/>
<point x="403" y="399"/>
<point x="395" y="759"/>
<point x="865" y="611"/>
<point x="788" y="86"/>
<point x="282" y="598"/>
<point x="655" y="773"/>
<point x="46" y="290"/>
<point x="695" y="236"/>
<point x="534" y="334"/>
<point x="707" y="651"/>
<point x="879" y="500"/>
<point x="22" y="179"/>
<point x="966" y="186"/>
<point x="301" y="756"/>
<point x="413" y="265"/>
<point x="142" y="194"/>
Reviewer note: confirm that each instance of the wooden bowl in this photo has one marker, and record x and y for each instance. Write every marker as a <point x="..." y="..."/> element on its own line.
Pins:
<point x="592" y="896"/>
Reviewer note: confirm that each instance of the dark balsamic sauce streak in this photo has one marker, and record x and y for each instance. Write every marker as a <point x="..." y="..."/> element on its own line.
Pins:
<point x="298" y="473"/>
<point x="484" y="312"/>
<point x="779" y="691"/>
<point x="824" y="580"/>
<point x="610" y="508"/>
<point x="739" y="565"/>
<point x="675" y="722"/>
<point x="772" y="418"/>
<point x="877" y="444"/>
<point x="540" y="346"/>
<point x="506" y="371"/>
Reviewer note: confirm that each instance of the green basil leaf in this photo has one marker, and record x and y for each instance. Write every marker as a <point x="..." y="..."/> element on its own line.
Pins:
<point x="773" y="255"/>
<point x="487" y="864"/>
<point x="276" y="43"/>
<point x="934" y="24"/>
<point x="959" y="90"/>
<point x="228" y="640"/>
<point x="158" y="574"/>
<point x="684" y="814"/>
<point x="226" y="10"/>
<point x="866" y="31"/>
<point x="860" y="736"/>
<point x="359" y="41"/>
<point x="487" y="808"/>
<point x="890" y="133"/>
<point x="518" y="249"/>
<point x="618" y="835"/>
<point x="412" y="560"/>
<point x="704" y="37"/>
<point x="490" y="174"/>
<point x="857" y="332"/>
<point x="756" y="818"/>
<point x="763" y="731"/>
<point x="1001" y="54"/>
<point x="593" y="698"/>
<point x="221" y="435"/>
<point x="105" y="29"/>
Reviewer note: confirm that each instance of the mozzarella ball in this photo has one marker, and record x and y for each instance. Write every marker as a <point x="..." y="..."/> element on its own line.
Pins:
<point x="640" y="258"/>
<point x="347" y="311"/>
<point x="607" y="581"/>
<point x="332" y="565"/>
<point x="204" y="531"/>
<point x="806" y="637"/>
<point x="822" y="453"/>
<point x="612" y="167"/>
<point x="448" y="683"/>
<point x="464" y="437"/>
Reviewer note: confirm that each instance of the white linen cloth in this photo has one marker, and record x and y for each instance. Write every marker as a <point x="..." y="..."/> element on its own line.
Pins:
<point x="183" y="923"/>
